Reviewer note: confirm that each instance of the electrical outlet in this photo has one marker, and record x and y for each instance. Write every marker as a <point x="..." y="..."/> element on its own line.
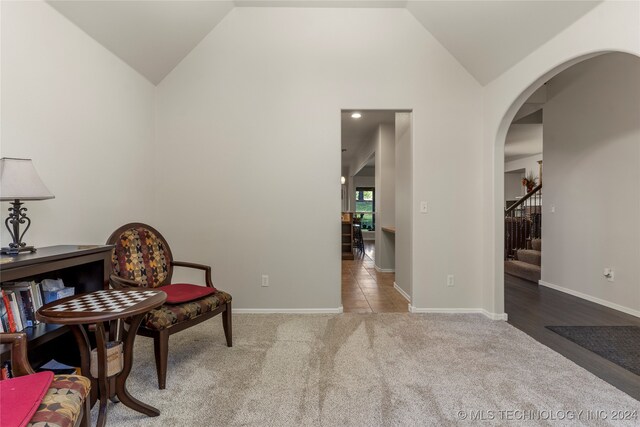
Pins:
<point x="553" y="208"/>
<point x="450" y="280"/>
<point x="265" y="280"/>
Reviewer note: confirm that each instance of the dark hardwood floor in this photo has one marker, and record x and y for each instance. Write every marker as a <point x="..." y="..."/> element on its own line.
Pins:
<point x="531" y="307"/>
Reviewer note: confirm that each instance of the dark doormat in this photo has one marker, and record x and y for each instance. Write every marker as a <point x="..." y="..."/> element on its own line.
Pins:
<point x="618" y="344"/>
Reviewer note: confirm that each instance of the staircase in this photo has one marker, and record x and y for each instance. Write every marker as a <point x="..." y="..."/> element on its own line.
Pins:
<point x="523" y="236"/>
<point x="526" y="264"/>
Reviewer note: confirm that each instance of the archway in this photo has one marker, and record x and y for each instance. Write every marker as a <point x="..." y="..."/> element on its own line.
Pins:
<point x="499" y="147"/>
<point x="591" y="205"/>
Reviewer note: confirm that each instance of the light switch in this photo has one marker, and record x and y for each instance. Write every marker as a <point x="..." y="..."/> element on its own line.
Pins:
<point x="423" y="207"/>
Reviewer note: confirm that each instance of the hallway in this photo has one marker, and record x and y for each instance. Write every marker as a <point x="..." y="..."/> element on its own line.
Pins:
<point x="366" y="291"/>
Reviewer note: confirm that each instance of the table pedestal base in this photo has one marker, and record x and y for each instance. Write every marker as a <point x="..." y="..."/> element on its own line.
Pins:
<point x="112" y="388"/>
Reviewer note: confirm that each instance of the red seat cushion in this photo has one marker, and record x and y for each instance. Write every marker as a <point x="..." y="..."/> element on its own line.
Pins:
<point x="178" y="293"/>
<point x="21" y="396"/>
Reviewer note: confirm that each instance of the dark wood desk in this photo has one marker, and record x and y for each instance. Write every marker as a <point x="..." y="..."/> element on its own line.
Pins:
<point x="98" y="309"/>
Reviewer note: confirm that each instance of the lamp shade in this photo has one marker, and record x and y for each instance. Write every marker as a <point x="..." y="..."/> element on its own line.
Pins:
<point x="19" y="180"/>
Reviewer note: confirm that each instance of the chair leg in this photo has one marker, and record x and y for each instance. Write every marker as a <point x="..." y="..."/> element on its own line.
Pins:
<point x="226" y="325"/>
<point x="85" y="421"/>
<point x="161" y="349"/>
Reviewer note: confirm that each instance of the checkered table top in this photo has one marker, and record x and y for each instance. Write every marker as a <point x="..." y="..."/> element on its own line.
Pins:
<point x="105" y="301"/>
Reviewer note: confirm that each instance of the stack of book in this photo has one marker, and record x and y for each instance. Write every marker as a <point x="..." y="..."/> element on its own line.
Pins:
<point x="20" y="300"/>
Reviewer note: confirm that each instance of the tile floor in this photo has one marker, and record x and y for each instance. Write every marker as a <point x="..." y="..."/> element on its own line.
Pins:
<point x="366" y="291"/>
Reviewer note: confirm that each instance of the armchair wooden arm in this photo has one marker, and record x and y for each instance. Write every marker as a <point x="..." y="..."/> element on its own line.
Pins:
<point x="118" y="282"/>
<point x="19" y="362"/>
<point x="206" y="268"/>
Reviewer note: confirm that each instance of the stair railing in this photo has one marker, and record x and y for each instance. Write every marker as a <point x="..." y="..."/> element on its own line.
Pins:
<point x="523" y="222"/>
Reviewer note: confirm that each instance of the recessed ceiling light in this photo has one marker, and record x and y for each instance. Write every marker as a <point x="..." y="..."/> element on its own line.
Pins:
<point x="356" y="115"/>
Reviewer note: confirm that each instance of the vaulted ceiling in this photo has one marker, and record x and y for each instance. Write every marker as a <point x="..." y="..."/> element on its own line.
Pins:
<point x="486" y="37"/>
<point x="151" y="36"/>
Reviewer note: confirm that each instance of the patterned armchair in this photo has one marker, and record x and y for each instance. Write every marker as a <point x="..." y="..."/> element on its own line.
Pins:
<point x="142" y="258"/>
<point x="66" y="402"/>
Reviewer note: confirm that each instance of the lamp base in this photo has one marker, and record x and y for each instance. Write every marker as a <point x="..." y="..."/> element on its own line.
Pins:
<point x="17" y="216"/>
<point x="16" y="251"/>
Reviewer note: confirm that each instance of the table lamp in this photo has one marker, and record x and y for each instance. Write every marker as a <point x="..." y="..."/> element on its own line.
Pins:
<point x="19" y="181"/>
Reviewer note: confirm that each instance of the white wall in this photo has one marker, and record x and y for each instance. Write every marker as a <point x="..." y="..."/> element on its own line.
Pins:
<point x="513" y="187"/>
<point x="86" y="120"/>
<point x="403" y="236"/>
<point x="523" y="140"/>
<point x="592" y="172"/>
<point x="385" y="197"/>
<point x="250" y="120"/>
<point x="513" y="177"/>
<point x="529" y="164"/>
<point x="610" y="26"/>
<point x="363" y="181"/>
<point x="358" y="160"/>
<point x="367" y="171"/>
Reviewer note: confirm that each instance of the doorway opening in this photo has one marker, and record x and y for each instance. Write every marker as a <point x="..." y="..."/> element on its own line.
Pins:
<point x="376" y="207"/>
<point x="523" y="189"/>
<point x="564" y="251"/>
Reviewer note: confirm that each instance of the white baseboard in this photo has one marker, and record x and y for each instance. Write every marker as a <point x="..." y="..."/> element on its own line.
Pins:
<point x="384" y="270"/>
<point x="288" y="310"/>
<point x="339" y="310"/>
<point x="590" y="298"/>
<point x="492" y="316"/>
<point x="402" y="292"/>
<point x="496" y="316"/>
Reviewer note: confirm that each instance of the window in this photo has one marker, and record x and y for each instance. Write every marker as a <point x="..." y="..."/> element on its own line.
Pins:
<point x="365" y="202"/>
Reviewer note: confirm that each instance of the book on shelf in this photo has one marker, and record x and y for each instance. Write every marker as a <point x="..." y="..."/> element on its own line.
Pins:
<point x="6" y="371"/>
<point x="36" y="294"/>
<point x="15" y="310"/>
<point x="21" y="300"/>
<point x="26" y="308"/>
<point x="4" y="315"/>
<point x="22" y="292"/>
<point x="8" y="312"/>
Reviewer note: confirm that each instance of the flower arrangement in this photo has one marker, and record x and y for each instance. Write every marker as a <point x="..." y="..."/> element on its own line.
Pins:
<point x="529" y="181"/>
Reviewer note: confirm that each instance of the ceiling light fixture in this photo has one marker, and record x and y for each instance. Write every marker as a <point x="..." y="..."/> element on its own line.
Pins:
<point x="356" y="115"/>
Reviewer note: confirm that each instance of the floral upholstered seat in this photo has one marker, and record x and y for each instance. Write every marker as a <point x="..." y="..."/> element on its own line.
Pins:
<point x="170" y="314"/>
<point x="142" y="258"/>
<point x="63" y="400"/>
<point x="62" y="404"/>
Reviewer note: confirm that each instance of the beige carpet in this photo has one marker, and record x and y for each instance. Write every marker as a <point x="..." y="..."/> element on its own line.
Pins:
<point x="364" y="370"/>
